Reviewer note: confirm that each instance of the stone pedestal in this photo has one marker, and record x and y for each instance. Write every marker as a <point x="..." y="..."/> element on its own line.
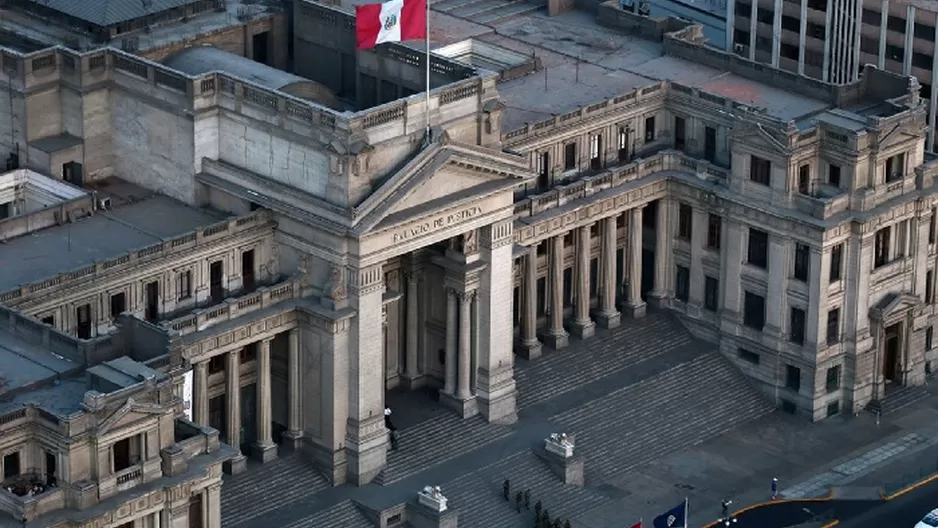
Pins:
<point x="557" y="453"/>
<point x="556" y="340"/>
<point x="529" y="350"/>
<point x="264" y="453"/>
<point x="659" y="301"/>
<point x="609" y="320"/>
<point x="291" y="440"/>
<point x="466" y="408"/>
<point x="635" y="311"/>
<point x="237" y="464"/>
<point x="583" y="329"/>
<point x="413" y="383"/>
<point x="431" y="510"/>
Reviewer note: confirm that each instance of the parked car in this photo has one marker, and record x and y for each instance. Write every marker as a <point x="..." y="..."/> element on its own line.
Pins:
<point x="930" y="520"/>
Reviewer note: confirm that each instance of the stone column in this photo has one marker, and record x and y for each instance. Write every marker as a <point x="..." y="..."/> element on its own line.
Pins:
<point x="555" y="336"/>
<point x="608" y="315"/>
<point x="265" y="450"/>
<point x="583" y="326"/>
<point x="212" y="507"/>
<point x="817" y="293"/>
<point x="660" y="292"/>
<point x="464" y="391"/>
<point x="730" y="270"/>
<point x="294" y="433"/>
<point x="233" y="392"/>
<point x="697" y="241"/>
<point x="411" y="374"/>
<point x="449" y="385"/>
<point x="200" y="393"/>
<point x="495" y="382"/>
<point x="634" y="305"/>
<point x="530" y="346"/>
<point x="366" y="437"/>
<point x="779" y="266"/>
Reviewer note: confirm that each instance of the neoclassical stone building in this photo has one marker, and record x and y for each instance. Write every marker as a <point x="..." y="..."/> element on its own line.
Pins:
<point x="286" y="263"/>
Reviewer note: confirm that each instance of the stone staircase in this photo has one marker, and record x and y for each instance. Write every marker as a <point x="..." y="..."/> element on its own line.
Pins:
<point x="486" y="11"/>
<point x="289" y="478"/>
<point x="343" y="515"/>
<point x="898" y="398"/>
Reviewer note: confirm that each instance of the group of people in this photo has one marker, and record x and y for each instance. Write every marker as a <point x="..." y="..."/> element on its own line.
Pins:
<point x="31" y="489"/>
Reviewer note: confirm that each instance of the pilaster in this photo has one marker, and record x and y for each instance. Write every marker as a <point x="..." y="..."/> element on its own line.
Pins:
<point x="920" y="224"/>
<point x="634" y="305"/>
<point x="530" y="347"/>
<point x="452" y="320"/>
<point x="212" y="499"/>
<point x="495" y="382"/>
<point x="660" y="294"/>
<point x="583" y="326"/>
<point x="817" y="296"/>
<point x="608" y="316"/>
<point x="697" y="241"/>
<point x="265" y="450"/>
<point x="556" y="336"/>
<point x="366" y="436"/>
<point x="412" y="377"/>
<point x="779" y="266"/>
<point x="731" y="270"/>
<point x="200" y="393"/>
<point x="233" y="392"/>
<point x="294" y="433"/>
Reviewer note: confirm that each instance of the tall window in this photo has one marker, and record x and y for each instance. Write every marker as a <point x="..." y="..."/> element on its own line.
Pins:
<point x="929" y="286"/>
<point x="682" y="286"/>
<point x="833" y="326"/>
<point x="931" y="225"/>
<point x="118" y="304"/>
<point x="758" y="253"/>
<point x="754" y="315"/>
<point x="895" y="168"/>
<point x="802" y="262"/>
<point x="833" y="379"/>
<point x="833" y="175"/>
<point x="804" y="179"/>
<point x="623" y="143"/>
<point x="543" y="170"/>
<point x="714" y="231"/>
<point x="680" y="133"/>
<point x="685" y="220"/>
<point x="797" y="321"/>
<point x="711" y="293"/>
<point x="649" y="129"/>
<point x="760" y="170"/>
<point x="837" y="257"/>
<point x="569" y="156"/>
<point x="184" y="285"/>
<point x="596" y="152"/>
<point x="793" y="378"/>
<point x="881" y="246"/>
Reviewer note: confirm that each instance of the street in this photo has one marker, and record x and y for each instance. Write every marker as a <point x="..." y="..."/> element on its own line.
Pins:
<point x="902" y="512"/>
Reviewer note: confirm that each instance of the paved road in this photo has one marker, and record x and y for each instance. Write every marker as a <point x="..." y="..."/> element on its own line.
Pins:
<point x="902" y="512"/>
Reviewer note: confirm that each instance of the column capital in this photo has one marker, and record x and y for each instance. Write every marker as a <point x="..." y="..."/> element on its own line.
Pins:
<point x="365" y="280"/>
<point x="414" y="276"/>
<point x="201" y="366"/>
<point x="499" y="234"/>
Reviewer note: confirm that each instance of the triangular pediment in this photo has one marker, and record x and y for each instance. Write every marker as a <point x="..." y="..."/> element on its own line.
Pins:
<point x="128" y="413"/>
<point x="894" y="303"/>
<point x="762" y="140"/>
<point x="449" y="173"/>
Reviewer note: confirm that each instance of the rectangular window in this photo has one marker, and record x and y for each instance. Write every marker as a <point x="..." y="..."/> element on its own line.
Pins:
<point x="833" y="175"/>
<point x="596" y="152"/>
<point x="711" y="293"/>
<point x="797" y="326"/>
<point x="802" y="262"/>
<point x="748" y="356"/>
<point x="895" y="168"/>
<point x="833" y="326"/>
<point x="83" y="321"/>
<point x="837" y="257"/>
<point x="118" y="304"/>
<point x="754" y="311"/>
<point x="833" y="408"/>
<point x="881" y="247"/>
<point x="682" y="286"/>
<point x="758" y="251"/>
<point x="710" y="144"/>
<point x="804" y="179"/>
<point x="685" y="220"/>
<point x="792" y="378"/>
<point x="760" y="170"/>
<point x="929" y="286"/>
<point x="623" y="144"/>
<point x="569" y="156"/>
<point x="680" y="133"/>
<point x="931" y="226"/>
<point x="833" y="379"/>
<point x="184" y="285"/>
<point x="649" y="129"/>
<point x="929" y="337"/>
<point x="714" y="231"/>
<point x="543" y="170"/>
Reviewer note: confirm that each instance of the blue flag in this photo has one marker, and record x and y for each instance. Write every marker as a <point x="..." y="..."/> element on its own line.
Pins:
<point x="676" y="517"/>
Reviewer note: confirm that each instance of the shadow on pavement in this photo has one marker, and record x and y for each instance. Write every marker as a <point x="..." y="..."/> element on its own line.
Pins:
<point x="787" y="513"/>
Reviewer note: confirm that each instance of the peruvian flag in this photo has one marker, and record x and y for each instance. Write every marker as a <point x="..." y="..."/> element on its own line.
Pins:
<point x="394" y="21"/>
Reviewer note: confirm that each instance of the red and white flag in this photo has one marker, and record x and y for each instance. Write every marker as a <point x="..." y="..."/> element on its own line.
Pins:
<point x="394" y="21"/>
<point x="637" y="525"/>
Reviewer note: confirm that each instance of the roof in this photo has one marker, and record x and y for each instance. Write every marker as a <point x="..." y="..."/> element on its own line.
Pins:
<point x="111" y="12"/>
<point x="586" y="63"/>
<point x="137" y="220"/>
<point x="203" y="59"/>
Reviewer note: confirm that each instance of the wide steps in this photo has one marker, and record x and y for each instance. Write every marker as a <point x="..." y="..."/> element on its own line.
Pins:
<point x="677" y="409"/>
<point x="477" y="8"/>
<point x="447" y="6"/>
<point x="343" y="515"/>
<point x="508" y="11"/>
<point x="558" y="372"/>
<point x="291" y="477"/>
<point x="898" y="398"/>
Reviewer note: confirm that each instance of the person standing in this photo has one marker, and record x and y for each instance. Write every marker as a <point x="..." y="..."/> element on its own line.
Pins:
<point x="389" y="425"/>
<point x="774" y="488"/>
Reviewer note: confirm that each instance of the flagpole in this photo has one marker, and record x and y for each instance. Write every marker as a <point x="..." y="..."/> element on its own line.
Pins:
<point x="427" y="102"/>
<point x="686" y="513"/>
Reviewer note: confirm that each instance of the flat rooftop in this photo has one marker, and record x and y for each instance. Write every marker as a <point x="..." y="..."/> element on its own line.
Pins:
<point x="23" y="364"/>
<point x="586" y="63"/>
<point x="138" y="218"/>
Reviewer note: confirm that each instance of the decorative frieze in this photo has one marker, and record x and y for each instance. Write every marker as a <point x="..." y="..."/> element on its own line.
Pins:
<point x="365" y="280"/>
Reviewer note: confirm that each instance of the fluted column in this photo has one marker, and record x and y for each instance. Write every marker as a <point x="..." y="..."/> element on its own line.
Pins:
<point x="530" y="346"/>
<point x="464" y="391"/>
<point x="266" y="449"/>
<point x="583" y="326"/>
<point x="200" y="393"/>
<point x="413" y="328"/>
<point x="634" y="305"/>
<point x="608" y="315"/>
<point x="698" y="279"/>
<point x="449" y="385"/>
<point x="660" y="293"/>
<point x="556" y="336"/>
<point x="233" y="392"/>
<point x="295" y="420"/>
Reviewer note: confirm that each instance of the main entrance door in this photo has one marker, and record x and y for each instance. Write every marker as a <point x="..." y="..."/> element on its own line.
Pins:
<point x="891" y="349"/>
